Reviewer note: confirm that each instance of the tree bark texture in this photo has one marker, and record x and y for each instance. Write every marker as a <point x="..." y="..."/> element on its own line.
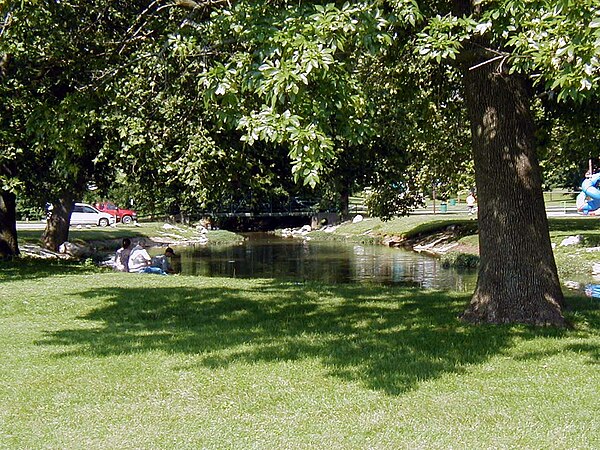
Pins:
<point x="517" y="280"/>
<point x="57" y="225"/>
<point x="8" y="226"/>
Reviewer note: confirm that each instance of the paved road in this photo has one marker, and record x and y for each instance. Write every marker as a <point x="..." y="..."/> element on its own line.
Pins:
<point x="31" y="225"/>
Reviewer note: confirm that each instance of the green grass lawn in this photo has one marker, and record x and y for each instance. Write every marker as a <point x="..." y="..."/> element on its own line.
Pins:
<point x="101" y="360"/>
<point x="142" y="229"/>
<point x="371" y="227"/>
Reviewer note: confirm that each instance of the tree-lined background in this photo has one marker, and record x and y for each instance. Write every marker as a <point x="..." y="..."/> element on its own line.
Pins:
<point x="187" y="105"/>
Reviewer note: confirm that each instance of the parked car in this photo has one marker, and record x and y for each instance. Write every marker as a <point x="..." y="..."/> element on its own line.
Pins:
<point x="84" y="214"/>
<point x="125" y="216"/>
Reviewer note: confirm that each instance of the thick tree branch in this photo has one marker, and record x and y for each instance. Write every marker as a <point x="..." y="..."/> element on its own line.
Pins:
<point x="206" y="4"/>
<point x="4" y="63"/>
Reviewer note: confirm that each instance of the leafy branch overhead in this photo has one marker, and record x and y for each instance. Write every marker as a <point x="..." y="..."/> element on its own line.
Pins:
<point x="556" y="43"/>
<point x="288" y="75"/>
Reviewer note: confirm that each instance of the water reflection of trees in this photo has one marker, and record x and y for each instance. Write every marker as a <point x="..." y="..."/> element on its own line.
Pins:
<point x="334" y="262"/>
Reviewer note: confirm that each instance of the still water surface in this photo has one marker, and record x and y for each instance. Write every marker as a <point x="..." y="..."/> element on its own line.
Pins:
<point x="264" y="255"/>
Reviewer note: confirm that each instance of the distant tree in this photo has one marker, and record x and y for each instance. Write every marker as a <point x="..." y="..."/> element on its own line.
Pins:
<point x="61" y="60"/>
<point x="50" y="101"/>
<point x="569" y="138"/>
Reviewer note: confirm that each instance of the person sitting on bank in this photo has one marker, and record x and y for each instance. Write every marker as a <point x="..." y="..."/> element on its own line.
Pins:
<point x="164" y="261"/>
<point x="122" y="256"/>
<point x="140" y="261"/>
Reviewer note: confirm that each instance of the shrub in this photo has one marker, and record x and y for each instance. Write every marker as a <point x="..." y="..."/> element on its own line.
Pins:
<point x="460" y="261"/>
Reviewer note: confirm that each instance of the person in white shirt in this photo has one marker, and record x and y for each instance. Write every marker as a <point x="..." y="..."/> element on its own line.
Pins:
<point x="471" y="200"/>
<point x="140" y="261"/>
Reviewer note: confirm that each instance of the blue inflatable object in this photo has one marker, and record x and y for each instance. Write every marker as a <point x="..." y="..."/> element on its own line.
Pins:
<point x="592" y="290"/>
<point x="589" y="198"/>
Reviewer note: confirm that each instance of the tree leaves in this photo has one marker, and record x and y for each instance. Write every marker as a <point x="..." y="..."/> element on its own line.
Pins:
<point x="295" y="70"/>
<point x="556" y="43"/>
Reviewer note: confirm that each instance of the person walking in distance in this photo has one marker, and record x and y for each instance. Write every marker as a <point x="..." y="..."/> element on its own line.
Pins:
<point x="471" y="200"/>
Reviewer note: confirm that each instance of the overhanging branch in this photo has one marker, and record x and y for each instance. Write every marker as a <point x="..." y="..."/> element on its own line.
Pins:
<point x="206" y="4"/>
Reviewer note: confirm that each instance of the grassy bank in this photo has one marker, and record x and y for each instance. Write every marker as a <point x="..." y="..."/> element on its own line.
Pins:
<point x="143" y="229"/>
<point x="375" y="229"/>
<point x="574" y="262"/>
<point x="102" y="360"/>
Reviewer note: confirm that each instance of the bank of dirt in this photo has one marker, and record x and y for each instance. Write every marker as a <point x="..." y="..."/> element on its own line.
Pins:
<point x="436" y="242"/>
<point x="168" y="235"/>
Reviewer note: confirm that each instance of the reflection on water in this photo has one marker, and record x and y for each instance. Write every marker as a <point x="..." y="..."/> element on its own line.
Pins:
<point x="267" y="256"/>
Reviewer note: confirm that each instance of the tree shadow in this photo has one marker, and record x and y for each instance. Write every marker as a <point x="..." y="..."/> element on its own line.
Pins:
<point x="585" y="313"/>
<point x="24" y="268"/>
<point x="571" y="225"/>
<point x="389" y="340"/>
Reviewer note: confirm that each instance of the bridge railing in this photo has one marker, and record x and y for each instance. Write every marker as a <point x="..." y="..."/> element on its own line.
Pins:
<point x="293" y="206"/>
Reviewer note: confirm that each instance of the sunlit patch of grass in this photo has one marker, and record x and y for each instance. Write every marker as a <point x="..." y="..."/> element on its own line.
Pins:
<point x="111" y="235"/>
<point x="111" y="360"/>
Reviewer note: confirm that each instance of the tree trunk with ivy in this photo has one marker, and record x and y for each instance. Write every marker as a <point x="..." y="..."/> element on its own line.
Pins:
<point x="517" y="280"/>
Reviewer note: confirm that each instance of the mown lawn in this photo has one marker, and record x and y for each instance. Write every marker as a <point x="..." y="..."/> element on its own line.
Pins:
<point x="103" y="360"/>
<point x="107" y="235"/>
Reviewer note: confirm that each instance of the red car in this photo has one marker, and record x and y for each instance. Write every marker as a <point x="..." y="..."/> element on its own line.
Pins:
<point x="125" y="216"/>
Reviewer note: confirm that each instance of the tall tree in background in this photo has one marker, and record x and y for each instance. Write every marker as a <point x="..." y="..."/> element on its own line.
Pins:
<point x="60" y="60"/>
<point x="569" y="138"/>
<point x="49" y="117"/>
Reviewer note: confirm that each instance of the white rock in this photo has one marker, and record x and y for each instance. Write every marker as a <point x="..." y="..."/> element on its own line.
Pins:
<point x="572" y="285"/>
<point x="571" y="240"/>
<point x="68" y="248"/>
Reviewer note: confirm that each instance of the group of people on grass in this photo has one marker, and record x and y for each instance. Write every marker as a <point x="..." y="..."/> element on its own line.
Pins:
<point x="137" y="259"/>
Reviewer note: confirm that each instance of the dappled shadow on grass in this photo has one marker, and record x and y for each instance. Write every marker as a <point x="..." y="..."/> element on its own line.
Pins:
<point x="587" y="227"/>
<point x="24" y="268"/>
<point x="586" y="311"/>
<point x="388" y="339"/>
<point x="562" y="228"/>
<point x="573" y="225"/>
<point x="582" y="311"/>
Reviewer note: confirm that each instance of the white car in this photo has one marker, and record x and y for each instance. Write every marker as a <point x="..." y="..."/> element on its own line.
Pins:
<point x="84" y="214"/>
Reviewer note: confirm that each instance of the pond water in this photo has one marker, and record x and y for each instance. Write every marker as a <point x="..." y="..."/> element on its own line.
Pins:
<point x="265" y="255"/>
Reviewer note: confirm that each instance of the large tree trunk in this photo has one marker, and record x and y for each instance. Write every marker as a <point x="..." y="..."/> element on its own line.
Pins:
<point x="8" y="225"/>
<point x="57" y="225"/>
<point x="517" y="279"/>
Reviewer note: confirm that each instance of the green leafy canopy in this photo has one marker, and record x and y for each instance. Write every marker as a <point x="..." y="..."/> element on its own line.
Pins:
<point x="288" y="75"/>
<point x="556" y="43"/>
